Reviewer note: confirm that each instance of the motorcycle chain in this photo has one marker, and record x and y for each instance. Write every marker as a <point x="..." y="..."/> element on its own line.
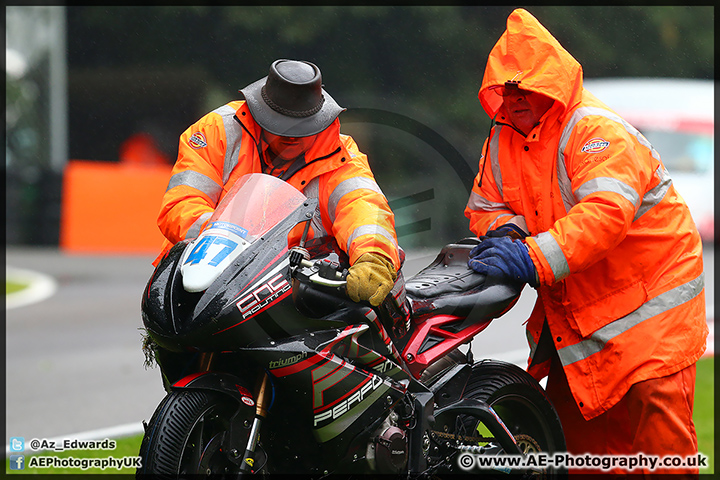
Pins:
<point x="461" y="438"/>
<point x="519" y="438"/>
<point x="528" y="440"/>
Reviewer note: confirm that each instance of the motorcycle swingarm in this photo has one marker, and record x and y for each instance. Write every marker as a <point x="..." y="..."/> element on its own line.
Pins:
<point x="483" y="412"/>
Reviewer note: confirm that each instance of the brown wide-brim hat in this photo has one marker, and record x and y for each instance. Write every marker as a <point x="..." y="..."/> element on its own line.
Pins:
<point x="290" y="101"/>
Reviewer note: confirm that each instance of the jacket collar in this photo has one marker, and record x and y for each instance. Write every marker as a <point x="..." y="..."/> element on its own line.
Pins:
<point x="323" y="156"/>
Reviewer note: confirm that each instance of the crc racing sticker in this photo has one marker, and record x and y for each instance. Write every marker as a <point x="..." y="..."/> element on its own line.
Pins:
<point x="197" y="140"/>
<point x="595" y="145"/>
<point x="258" y="299"/>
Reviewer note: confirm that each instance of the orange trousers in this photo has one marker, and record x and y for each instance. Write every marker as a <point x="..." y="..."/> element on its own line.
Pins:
<point x="654" y="418"/>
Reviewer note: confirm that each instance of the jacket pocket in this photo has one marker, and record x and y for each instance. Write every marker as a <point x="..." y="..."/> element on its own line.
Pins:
<point x="511" y="197"/>
<point x="592" y="304"/>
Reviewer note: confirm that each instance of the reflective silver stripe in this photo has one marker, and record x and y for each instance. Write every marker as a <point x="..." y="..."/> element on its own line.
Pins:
<point x="348" y="186"/>
<point x="194" y="229"/>
<point x="500" y="217"/>
<point x="655" y="194"/>
<point x="312" y="190"/>
<point x="653" y="307"/>
<point x="553" y="254"/>
<point x="233" y="140"/>
<point x="493" y="151"/>
<point x="317" y="226"/>
<point x="562" y="175"/>
<point x="608" y="184"/>
<point x="198" y="181"/>
<point x="563" y="179"/>
<point x="531" y="342"/>
<point x="477" y="202"/>
<point x="370" y="230"/>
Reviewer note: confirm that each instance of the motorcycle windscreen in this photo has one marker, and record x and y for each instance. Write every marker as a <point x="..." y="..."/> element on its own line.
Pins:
<point x="253" y="206"/>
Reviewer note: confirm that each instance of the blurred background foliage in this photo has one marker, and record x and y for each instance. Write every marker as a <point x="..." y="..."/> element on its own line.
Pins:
<point x="408" y="75"/>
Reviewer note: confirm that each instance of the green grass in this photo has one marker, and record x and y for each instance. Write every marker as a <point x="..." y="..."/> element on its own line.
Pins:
<point x="13" y="286"/>
<point x="704" y="411"/>
<point x="703" y="415"/>
<point x="125" y="447"/>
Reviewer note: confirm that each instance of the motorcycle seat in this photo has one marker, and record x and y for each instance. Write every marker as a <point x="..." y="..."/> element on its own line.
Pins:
<point x="448" y="273"/>
<point x="449" y="286"/>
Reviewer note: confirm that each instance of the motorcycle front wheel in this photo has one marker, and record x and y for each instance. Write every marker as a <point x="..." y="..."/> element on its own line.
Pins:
<point x="522" y="405"/>
<point x="189" y="434"/>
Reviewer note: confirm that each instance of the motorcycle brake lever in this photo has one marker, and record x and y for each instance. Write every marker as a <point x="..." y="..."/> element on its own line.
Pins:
<point x="329" y="274"/>
<point x="324" y="273"/>
<point x="316" y="278"/>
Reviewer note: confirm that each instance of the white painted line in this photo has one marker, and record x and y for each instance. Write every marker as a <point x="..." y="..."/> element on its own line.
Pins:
<point x="40" y="287"/>
<point x="111" y="433"/>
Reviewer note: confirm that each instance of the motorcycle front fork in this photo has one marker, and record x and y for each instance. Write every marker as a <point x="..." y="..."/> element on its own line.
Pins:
<point x="261" y="405"/>
<point x="261" y="402"/>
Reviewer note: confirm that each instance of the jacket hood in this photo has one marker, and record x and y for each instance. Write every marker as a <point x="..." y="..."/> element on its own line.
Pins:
<point x="527" y="53"/>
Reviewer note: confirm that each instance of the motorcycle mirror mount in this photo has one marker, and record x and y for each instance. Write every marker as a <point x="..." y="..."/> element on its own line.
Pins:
<point x="300" y="253"/>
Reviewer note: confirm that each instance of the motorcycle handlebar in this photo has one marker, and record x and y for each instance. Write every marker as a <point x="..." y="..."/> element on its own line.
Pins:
<point x="329" y="274"/>
<point x="320" y="272"/>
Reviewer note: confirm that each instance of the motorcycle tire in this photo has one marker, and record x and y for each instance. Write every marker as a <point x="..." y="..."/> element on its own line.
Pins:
<point x="521" y="403"/>
<point x="186" y="436"/>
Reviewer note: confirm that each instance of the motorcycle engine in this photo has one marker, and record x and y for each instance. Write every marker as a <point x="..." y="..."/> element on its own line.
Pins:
<point x="388" y="451"/>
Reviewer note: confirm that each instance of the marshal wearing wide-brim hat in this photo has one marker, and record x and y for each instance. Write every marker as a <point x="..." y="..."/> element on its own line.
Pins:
<point x="290" y="101"/>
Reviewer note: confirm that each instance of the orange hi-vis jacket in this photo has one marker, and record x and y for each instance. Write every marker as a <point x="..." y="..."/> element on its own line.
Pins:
<point x="618" y="256"/>
<point x="224" y="145"/>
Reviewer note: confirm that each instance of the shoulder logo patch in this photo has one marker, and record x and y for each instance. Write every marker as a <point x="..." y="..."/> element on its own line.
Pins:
<point x="595" y="145"/>
<point x="197" y="140"/>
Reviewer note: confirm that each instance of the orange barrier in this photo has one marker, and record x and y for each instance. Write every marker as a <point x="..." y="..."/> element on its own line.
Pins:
<point x="111" y="207"/>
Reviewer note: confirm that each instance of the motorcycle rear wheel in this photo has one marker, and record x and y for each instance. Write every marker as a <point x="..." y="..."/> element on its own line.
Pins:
<point x="521" y="403"/>
<point x="188" y="435"/>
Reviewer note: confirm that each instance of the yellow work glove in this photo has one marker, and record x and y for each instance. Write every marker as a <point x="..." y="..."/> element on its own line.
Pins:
<point x="371" y="278"/>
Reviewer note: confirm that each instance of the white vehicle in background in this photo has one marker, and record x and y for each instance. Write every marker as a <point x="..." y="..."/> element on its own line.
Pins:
<point x="677" y="118"/>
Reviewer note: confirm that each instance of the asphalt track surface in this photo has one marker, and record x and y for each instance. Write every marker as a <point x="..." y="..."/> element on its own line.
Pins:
<point x="74" y="365"/>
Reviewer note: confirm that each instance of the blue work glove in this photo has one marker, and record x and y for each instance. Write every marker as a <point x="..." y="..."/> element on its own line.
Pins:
<point x="508" y="230"/>
<point x="503" y="257"/>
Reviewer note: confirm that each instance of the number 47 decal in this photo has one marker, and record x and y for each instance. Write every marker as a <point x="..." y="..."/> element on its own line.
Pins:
<point x="201" y="250"/>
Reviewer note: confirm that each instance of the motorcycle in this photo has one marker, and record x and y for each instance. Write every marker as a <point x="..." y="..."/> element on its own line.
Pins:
<point x="271" y="368"/>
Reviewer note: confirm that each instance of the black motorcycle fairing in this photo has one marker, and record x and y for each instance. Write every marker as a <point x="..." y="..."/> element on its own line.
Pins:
<point x="213" y="319"/>
<point x="320" y="388"/>
<point x="316" y="301"/>
<point x="153" y="299"/>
